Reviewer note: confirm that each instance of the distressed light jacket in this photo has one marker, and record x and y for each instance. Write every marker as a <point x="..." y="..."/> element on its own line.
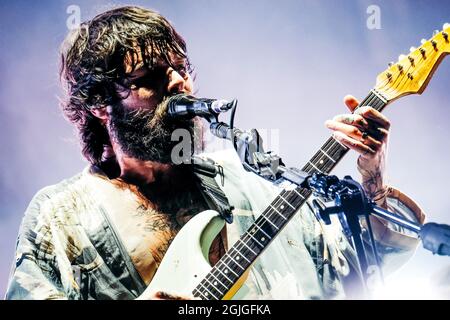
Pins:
<point x="68" y="248"/>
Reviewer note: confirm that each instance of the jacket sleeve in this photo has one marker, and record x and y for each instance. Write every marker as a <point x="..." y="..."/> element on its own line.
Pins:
<point x="390" y="234"/>
<point x="34" y="274"/>
<point x="395" y="244"/>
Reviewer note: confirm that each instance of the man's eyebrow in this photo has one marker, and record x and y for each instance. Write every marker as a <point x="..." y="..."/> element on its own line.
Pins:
<point x="141" y="69"/>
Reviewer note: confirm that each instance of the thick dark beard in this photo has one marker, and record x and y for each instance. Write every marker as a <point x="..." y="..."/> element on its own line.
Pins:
<point x="146" y="135"/>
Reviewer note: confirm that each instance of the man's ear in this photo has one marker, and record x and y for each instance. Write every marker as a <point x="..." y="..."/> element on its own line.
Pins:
<point x="101" y="113"/>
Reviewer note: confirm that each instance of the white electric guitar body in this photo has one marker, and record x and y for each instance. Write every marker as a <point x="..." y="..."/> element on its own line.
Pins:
<point x="186" y="261"/>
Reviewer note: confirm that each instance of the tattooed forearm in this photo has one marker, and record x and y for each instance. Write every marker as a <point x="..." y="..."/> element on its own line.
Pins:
<point x="373" y="183"/>
<point x="374" y="188"/>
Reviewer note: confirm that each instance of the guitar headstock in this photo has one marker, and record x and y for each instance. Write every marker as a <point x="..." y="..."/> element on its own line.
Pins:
<point x="412" y="73"/>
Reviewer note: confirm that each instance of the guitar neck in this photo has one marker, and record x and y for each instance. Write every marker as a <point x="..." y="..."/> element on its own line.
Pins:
<point x="232" y="266"/>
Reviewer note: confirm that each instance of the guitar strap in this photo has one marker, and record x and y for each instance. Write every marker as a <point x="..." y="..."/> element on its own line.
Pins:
<point x="206" y="170"/>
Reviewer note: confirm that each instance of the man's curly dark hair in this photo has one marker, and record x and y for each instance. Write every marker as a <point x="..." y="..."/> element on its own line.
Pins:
<point x="92" y="63"/>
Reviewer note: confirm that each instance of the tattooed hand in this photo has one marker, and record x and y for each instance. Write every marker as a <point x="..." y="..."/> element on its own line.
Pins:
<point x="366" y="132"/>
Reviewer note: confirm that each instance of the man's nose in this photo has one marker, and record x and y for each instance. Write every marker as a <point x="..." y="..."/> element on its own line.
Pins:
<point x="176" y="82"/>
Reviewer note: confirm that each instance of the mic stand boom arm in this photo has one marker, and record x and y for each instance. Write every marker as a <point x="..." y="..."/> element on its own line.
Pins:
<point x="249" y="146"/>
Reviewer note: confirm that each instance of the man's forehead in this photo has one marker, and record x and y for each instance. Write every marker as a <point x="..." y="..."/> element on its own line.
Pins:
<point x="134" y="61"/>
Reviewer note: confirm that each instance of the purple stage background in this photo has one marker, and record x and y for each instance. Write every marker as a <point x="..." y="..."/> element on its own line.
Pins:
<point x="288" y="62"/>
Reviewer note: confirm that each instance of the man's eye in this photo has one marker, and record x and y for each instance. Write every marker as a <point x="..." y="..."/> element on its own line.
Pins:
<point x="182" y="70"/>
<point x="137" y="83"/>
<point x="147" y="81"/>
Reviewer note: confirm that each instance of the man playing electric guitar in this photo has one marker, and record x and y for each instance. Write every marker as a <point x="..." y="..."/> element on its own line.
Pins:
<point x="103" y="233"/>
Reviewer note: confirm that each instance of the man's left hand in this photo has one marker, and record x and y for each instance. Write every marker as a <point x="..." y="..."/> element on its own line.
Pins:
<point x="366" y="132"/>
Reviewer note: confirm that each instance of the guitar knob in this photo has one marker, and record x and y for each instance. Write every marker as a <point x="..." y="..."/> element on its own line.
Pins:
<point x="423" y="41"/>
<point x="446" y="26"/>
<point x="435" y="32"/>
<point x="390" y="64"/>
<point x="401" y="57"/>
<point x="412" y="49"/>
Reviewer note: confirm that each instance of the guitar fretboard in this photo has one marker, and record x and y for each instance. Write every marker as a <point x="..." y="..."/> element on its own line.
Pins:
<point x="252" y="243"/>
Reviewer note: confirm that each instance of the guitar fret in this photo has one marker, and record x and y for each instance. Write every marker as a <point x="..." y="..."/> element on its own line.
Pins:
<point x="335" y="149"/>
<point x="262" y="246"/>
<point x="238" y="253"/>
<point x="206" y="278"/>
<point x="218" y="269"/>
<point x="321" y="162"/>
<point x="243" y="242"/>
<point x="218" y="280"/>
<point x="379" y="96"/>
<point x="312" y="164"/>
<point x="287" y="202"/>
<point x="201" y="293"/>
<point x="327" y="155"/>
<point x="243" y="256"/>
<point x="236" y="263"/>
<point x="267" y="219"/>
<point x="297" y="199"/>
<point x="208" y="291"/>
<point x="340" y="143"/>
<point x="270" y="238"/>
<point x="278" y="212"/>
<point x="228" y="267"/>
<point x="299" y="194"/>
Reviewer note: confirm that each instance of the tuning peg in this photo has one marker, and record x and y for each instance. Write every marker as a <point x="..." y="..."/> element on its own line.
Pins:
<point x="423" y="41"/>
<point x="390" y="64"/>
<point x="445" y="35"/>
<point x="412" y="49"/>
<point x="423" y="52"/>
<point x="434" y="44"/>
<point x="446" y="26"/>
<point x="401" y="57"/>
<point x="435" y="32"/>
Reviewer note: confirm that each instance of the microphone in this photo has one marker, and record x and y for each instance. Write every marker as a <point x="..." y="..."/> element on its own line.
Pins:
<point x="187" y="107"/>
